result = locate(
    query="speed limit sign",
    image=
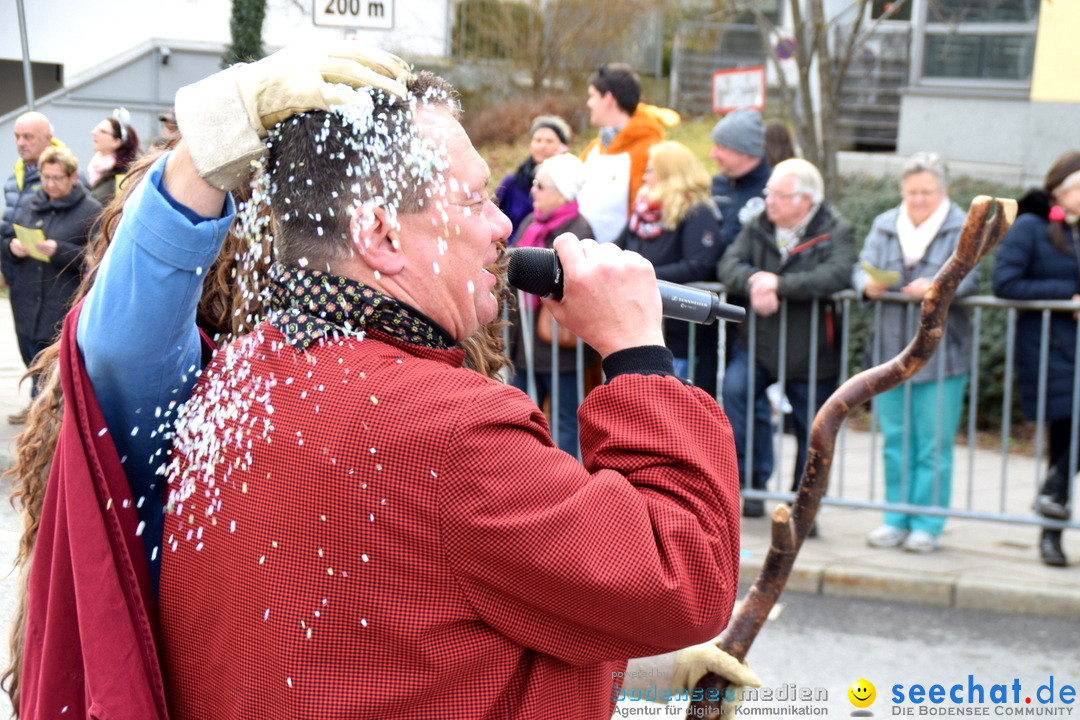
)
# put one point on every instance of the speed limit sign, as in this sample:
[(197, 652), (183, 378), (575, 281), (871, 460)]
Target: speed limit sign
[(376, 14)]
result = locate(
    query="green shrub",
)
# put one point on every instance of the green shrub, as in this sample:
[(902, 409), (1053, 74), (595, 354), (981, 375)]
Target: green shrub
[(245, 26)]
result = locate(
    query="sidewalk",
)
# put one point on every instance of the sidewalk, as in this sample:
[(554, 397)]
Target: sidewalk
[(982, 565), (13, 396)]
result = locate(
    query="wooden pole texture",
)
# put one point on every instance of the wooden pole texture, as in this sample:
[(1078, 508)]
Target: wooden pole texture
[(987, 221)]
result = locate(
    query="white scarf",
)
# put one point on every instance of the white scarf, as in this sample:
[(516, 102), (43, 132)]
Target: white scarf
[(914, 240), (788, 238)]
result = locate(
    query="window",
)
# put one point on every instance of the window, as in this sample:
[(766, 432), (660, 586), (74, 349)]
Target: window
[(990, 57), (982, 11), (987, 42)]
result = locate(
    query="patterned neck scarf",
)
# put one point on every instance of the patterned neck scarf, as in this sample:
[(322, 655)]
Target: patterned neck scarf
[(646, 217), (308, 305)]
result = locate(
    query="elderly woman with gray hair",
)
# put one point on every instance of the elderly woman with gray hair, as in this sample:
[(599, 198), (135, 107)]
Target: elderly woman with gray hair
[(904, 250)]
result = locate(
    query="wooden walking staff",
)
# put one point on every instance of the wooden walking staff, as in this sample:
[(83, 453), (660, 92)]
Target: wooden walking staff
[(980, 234)]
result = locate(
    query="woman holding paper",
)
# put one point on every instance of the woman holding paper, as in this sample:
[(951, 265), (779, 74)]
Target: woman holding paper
[(904, 250), (51, 232)]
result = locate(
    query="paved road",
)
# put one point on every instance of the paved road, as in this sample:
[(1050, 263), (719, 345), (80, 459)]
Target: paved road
[(824, 644)]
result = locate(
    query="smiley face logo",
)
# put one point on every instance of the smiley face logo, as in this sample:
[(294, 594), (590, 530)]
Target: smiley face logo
[(862, 693)]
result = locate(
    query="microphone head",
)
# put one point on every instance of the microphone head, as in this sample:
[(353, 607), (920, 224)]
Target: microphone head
[(535, 270)]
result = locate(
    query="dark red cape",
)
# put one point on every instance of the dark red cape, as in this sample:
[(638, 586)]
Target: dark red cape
[(90, 646)]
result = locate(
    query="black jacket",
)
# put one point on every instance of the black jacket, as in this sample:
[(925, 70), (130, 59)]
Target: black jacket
[(41, 292), (739, 198), (1029, 267), (686, 254), (818, 267)]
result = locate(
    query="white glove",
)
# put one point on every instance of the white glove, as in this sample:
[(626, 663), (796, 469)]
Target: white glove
[(224, 118), (694, 662)]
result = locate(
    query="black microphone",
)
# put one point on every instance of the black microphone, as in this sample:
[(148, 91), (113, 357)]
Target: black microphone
[(538, 271)]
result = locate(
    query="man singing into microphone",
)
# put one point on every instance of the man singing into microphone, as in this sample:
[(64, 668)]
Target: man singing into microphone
[(356, 525)]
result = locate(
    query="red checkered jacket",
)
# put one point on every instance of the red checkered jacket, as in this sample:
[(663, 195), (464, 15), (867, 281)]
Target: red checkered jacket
[(368, 530)]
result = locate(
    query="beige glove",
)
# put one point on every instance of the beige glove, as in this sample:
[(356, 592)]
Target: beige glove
[(224, 118), (694, 662)]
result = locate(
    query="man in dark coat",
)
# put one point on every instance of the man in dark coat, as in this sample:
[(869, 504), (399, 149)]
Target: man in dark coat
[(799, 252), (33, 134)]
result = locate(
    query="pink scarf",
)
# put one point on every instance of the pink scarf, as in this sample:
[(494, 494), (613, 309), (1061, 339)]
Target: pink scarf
[(543, 224), (536, 233), (99, 165)]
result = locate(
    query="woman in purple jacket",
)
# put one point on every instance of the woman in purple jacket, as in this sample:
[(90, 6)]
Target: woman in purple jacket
[(550, 137)]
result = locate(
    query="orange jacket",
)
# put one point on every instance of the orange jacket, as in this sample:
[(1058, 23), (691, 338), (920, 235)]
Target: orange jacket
[(644, 129)]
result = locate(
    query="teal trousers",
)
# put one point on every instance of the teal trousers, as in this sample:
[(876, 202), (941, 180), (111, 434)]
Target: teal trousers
[(924, 477)]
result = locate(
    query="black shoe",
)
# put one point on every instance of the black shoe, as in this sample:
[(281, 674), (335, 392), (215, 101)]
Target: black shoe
[(753, 508), (1049, 507), (1053, 498), (1050, 548)]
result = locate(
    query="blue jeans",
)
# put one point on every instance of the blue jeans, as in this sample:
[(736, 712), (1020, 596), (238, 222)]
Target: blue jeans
[(736, 384), (566, 425)]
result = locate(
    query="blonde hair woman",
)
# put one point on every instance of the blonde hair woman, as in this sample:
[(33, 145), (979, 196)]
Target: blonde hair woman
[(673, 223)]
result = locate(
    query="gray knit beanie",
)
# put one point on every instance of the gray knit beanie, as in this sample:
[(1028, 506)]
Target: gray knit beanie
[(742, 132)]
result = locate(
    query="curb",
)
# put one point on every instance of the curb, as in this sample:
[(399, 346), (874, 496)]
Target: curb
[(945, 590)]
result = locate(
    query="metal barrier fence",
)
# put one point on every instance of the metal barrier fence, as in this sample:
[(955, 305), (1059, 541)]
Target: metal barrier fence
[(1006, 497)]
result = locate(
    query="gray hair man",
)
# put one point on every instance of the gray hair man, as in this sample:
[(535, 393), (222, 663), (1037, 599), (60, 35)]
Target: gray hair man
[(33, 133), (797, 253)]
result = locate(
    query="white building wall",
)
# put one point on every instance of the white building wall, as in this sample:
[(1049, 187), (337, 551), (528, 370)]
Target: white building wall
[(81, 35), (108, 51)]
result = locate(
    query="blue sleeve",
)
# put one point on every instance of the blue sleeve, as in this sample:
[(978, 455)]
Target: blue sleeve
[(137, 328)]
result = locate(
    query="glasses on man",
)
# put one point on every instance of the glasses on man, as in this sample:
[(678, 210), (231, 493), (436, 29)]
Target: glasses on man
[(54, 178), (780, 195)]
